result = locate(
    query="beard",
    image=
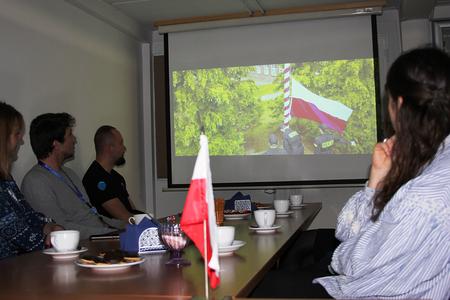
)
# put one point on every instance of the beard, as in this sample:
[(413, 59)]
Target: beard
[(120, 162), (69, 155)]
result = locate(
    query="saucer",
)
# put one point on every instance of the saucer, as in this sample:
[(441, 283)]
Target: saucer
[(285, 214), (265, 230), (297, 206), (65, 254), (110, 267), (236, 216), (229, 250)]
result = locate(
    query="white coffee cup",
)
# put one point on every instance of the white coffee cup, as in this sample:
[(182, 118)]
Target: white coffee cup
[(296, 200), (136, 219), (265, 217), (281, 206), (65, 240), (225, 235)]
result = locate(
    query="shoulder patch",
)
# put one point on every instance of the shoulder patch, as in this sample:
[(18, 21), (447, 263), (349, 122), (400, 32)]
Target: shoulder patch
[(101, 185)]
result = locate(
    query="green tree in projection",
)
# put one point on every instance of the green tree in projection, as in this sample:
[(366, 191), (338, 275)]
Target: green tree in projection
[(351, 83), (220, 100)]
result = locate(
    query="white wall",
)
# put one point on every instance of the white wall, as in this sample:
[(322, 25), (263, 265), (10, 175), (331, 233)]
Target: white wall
[(54, 57), (416, 33)]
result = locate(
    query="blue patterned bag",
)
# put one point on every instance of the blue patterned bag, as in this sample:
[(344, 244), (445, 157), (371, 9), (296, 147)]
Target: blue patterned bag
[(142, 238), (239, 202)]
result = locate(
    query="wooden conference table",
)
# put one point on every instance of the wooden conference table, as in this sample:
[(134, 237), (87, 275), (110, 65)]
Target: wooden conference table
[(38, 276)]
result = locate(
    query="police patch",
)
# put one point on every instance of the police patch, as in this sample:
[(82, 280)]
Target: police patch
[(101, 185)]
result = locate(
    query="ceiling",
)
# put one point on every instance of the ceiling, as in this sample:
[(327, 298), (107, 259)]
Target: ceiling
[(147, 12)]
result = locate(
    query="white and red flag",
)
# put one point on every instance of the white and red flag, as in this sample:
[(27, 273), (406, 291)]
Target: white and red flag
[(199, 208), (307, 105)]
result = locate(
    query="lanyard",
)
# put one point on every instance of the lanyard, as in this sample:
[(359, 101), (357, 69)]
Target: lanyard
[(71, 185)]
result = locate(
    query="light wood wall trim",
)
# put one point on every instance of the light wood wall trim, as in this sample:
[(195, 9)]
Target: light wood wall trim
[(274, 12)]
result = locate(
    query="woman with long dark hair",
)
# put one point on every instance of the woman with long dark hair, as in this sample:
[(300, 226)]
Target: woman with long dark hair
[(21, 228), (395, 233)]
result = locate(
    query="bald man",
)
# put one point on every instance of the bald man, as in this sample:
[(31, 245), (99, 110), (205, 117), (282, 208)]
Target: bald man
[(107, 188)]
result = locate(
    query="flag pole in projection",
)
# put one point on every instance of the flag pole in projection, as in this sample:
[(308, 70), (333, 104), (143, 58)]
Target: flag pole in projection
[(287, 95)]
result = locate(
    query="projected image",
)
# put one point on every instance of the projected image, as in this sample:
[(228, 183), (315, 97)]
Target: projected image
[(324, 107)]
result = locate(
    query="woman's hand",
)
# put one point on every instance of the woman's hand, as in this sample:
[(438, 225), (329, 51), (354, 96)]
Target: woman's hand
[(381, 163), (49, 227)]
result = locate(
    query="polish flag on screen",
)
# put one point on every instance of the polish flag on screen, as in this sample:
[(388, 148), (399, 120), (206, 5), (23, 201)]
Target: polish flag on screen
[(199, 206), (307, 105)]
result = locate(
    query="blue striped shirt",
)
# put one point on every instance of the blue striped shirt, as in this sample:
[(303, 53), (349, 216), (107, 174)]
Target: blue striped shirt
[(405, 254)]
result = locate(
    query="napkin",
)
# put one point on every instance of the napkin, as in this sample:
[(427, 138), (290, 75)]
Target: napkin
[(142, 238), (239, 202)]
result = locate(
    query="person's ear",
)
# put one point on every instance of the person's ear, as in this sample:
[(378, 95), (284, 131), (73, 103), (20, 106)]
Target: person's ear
[(399, 102), (56, 144), (110, 147)]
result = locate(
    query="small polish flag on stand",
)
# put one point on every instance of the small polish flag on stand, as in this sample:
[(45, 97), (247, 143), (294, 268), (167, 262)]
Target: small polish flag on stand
[(199, 219)]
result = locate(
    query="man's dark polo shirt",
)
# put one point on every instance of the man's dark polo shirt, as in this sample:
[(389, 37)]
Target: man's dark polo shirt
[(102, 186)]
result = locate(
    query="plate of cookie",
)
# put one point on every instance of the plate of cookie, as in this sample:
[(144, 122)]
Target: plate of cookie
[(109, 261)]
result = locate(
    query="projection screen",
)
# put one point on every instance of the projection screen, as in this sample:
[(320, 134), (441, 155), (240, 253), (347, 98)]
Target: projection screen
[(282, 103)]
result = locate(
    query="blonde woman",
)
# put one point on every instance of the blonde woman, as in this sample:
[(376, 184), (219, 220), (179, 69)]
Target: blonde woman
[(21, 228)]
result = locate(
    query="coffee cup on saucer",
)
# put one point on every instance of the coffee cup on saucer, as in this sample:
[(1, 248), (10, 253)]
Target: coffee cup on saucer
[(296, 200), (136, 219), (265, 217), (65, 240), (225, 235), (281, 206)]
